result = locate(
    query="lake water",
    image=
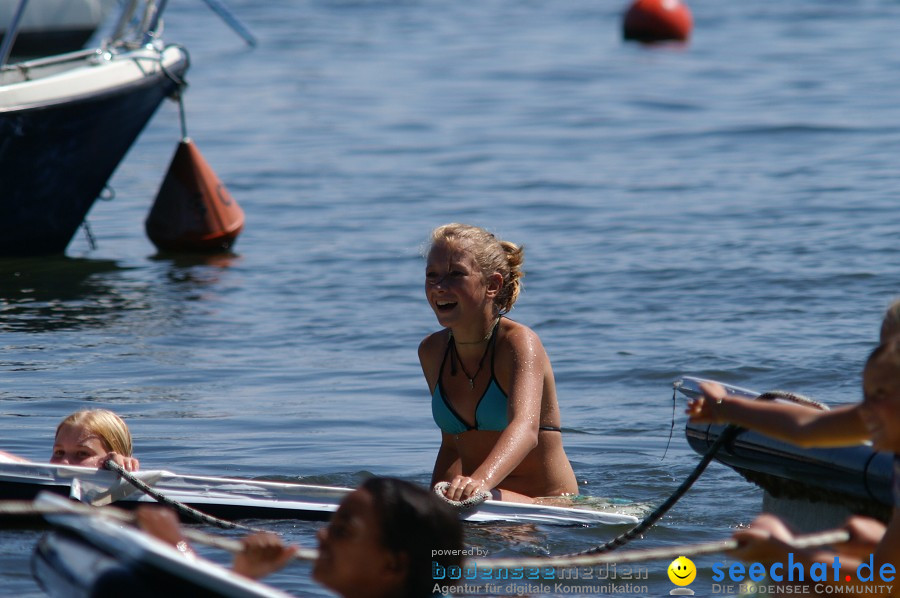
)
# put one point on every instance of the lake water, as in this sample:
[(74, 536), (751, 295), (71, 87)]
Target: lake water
[(725, 208)]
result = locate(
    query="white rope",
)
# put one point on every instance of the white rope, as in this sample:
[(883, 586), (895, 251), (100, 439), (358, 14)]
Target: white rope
[(179, 507), (650, 554), (473, 501)]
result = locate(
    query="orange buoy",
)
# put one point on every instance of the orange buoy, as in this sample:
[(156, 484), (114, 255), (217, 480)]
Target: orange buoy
[(193, 210), (657, 21)]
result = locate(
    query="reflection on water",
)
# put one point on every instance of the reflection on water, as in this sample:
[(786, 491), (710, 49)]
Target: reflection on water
[(200, 269), (62, 293)]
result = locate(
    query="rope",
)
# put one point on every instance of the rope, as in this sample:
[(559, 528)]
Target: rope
[(665, 553), (473, 501), (793, 398), (672, 427), (180, 508), (26, 508), (727, 436)]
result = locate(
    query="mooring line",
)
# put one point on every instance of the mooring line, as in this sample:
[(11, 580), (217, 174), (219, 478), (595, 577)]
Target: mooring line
[(727, 436), (179, 507)]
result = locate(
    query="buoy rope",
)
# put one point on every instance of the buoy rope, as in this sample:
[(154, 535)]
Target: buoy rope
[(473, 501), (180, 508), (651, 554), (27, 508)]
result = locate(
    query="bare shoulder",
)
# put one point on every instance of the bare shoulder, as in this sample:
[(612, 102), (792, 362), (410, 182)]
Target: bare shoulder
[(521, 340), (432, 344), (430, 352)]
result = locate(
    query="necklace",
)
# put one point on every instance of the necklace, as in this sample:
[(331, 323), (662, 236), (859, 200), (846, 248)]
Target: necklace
[(487, 335), (456, 356)]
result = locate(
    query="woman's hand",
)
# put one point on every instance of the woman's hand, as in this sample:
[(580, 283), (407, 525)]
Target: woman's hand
[(263, 553), (463, 487), (162, 523), (707, 408), (865, 536), (127, 463)]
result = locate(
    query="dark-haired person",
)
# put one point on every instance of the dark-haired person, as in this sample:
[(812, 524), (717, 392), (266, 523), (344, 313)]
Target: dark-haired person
[(378, 544)]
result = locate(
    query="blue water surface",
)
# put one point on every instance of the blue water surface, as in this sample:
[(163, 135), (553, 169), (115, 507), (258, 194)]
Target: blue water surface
[(724, 208)]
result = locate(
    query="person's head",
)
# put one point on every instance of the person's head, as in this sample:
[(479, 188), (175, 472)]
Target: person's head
[(85, 437), (880, 408), (380, 541), (890, 324), (498, 262)]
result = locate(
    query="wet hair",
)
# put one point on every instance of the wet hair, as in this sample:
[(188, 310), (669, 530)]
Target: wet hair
[(415, 522), (111, 429), (491, 254), (890, 325)]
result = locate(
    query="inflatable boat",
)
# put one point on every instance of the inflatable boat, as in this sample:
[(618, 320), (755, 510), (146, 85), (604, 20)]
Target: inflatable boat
[(856, 477), (96, 557)]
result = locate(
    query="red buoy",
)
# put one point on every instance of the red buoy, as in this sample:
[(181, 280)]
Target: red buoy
[(657, 21), (193, 210)]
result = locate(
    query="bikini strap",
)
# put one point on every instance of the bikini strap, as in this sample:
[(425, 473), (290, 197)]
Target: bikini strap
[(444, 359), (493, 344)]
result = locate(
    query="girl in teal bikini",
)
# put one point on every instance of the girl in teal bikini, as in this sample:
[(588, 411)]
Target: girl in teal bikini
[(492, 389)]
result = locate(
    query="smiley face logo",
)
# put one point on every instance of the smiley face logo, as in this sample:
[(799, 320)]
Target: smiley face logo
[(682, 571)]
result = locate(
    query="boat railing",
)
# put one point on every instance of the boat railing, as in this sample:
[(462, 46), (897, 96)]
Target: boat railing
[(11, 32), (134, 28), (27, 65)]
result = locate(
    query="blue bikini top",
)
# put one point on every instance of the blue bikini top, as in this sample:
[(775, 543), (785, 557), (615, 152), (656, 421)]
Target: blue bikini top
[(490, 412)]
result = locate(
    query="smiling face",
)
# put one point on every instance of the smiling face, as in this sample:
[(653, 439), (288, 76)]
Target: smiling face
[(352, 560), (682, 571), (77, 445), (455, 287), (880, 409)]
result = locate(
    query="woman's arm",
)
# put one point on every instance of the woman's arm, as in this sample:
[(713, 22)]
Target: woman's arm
[(768, 541), (888, 550), (447, 464), (524, 411), (797, 424)]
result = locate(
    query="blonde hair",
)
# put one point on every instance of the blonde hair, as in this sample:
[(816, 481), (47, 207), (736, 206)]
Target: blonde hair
[(491, 254), (890, 325), (111, 429)]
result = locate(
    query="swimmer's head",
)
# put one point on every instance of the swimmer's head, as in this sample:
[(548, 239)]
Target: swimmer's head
[(880, 409), (490, 254), (107, 426)]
